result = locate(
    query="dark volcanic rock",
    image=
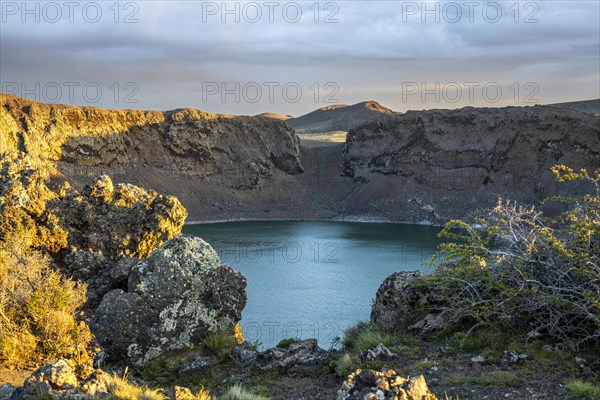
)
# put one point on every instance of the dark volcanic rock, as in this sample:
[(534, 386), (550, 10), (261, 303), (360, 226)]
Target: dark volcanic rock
[(111, 228), (95, 235), (441, 164), (380, 352), (174, 298), (398, 300), (235, 152), (62, 379), (423, 166), (301, 357)]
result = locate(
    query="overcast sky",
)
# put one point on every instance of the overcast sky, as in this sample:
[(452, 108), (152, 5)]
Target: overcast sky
[(286, 57)]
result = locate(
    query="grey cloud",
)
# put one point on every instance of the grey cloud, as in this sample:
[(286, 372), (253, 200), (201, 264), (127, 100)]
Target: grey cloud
[(369, 54)]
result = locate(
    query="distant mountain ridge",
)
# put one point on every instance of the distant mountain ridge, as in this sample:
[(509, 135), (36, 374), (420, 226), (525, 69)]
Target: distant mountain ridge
[(274, 116), (338, 117)]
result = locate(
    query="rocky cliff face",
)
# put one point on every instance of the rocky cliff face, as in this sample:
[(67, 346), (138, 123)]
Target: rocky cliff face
[(424, 166), (236, 152), (439, 164)]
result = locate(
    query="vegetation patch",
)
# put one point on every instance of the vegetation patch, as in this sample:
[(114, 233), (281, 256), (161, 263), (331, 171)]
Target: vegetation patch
[(220, 343), (582, 389), (515, 270), (285, 343), (237, 392), (363, 337), (496, 378)]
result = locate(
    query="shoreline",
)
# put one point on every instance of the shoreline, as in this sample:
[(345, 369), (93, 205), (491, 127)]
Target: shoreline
[(360, 220)]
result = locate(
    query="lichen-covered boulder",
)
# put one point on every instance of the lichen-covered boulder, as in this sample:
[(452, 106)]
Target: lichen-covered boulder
[(61, 379), (174, 298), (110, 227), (57, 375), (368, 384)]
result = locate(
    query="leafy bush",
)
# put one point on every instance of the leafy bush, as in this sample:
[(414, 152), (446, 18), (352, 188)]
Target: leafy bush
[(285, 343), (519, 269)]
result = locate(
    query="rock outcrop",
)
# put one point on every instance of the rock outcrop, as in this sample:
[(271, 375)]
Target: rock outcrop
[(110, 228), (174, 298), (403, 302), (95, 235), (384, 385), (63, 379), (440, 164), (300, 357)]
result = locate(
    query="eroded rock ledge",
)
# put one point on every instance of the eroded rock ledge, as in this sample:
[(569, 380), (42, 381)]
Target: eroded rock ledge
[(236, 152), (438, 165)]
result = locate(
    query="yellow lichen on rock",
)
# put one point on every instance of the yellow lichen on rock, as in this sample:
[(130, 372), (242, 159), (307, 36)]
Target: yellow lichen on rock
[(239, 334), (369, 384)]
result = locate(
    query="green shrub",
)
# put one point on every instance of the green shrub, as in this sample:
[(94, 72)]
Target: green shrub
[(237, 392), (582, 389), (369, 339), (347, 364), (285, 343), (352, 333), (486, 340), (221, 343)]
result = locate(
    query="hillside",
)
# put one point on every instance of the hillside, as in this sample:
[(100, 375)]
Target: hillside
[(274, 116), (339, 117), (587, 106)]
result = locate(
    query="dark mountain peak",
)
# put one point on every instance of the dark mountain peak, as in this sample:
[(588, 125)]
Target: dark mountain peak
[(373, 105), (338, 117)]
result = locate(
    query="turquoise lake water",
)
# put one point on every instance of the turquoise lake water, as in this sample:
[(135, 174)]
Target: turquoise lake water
[(314, 279)]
